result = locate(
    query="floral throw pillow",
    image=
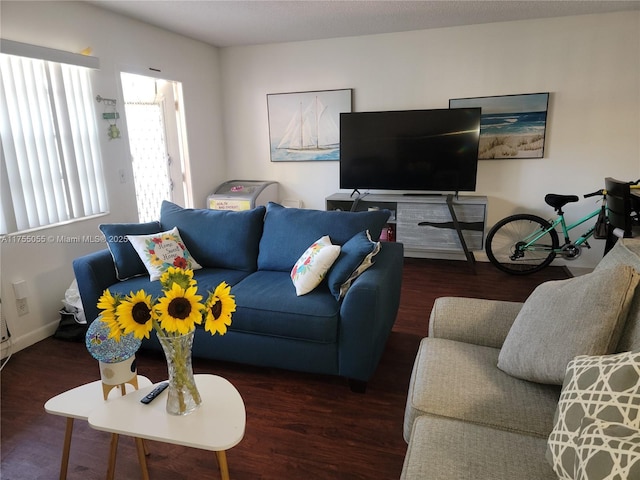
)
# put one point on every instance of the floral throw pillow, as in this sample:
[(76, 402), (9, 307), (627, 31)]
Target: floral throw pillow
[(160, 251), (313, 265)]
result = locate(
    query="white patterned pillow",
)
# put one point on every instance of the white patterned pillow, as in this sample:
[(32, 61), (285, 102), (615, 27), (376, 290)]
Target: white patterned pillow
[(313, 265), (607, 451), (160, 251), (602, 387)]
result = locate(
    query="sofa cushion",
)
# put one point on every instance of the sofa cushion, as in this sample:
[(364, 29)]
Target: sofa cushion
[(298, 228), (626, 251), (564, 318), (216, 238), (460, 380), (313, 265), (602, 387), (162, 250), (607, 450), (447, 449), (267, 304), (355, 257), (125, 258)]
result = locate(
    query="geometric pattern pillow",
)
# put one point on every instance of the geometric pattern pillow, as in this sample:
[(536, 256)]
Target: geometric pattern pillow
[(601, 387), (313, 265), (607, 451), (162, 250)]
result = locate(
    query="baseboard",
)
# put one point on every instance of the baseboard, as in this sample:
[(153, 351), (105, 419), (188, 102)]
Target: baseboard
[(434, 254), (15, 343)]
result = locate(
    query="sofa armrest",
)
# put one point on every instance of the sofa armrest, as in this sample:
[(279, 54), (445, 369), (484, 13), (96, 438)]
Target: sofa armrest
[(368, 312), (473, 320), (94, 273)]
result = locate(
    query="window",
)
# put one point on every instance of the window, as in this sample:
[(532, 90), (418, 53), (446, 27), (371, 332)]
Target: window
[(51, 169)]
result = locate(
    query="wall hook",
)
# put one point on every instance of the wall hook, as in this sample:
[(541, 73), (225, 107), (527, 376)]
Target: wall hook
[(107, 101)]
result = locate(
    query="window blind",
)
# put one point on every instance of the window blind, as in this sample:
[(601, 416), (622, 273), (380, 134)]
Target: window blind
[(50, 155)]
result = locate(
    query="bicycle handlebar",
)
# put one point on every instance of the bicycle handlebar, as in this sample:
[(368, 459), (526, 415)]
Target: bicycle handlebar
[(593, 194), (602, 191)]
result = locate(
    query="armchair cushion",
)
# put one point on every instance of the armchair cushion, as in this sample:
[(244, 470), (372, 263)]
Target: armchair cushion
[(565, 318)]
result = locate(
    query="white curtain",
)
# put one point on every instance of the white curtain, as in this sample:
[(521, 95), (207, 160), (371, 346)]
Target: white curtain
[(51, 169)]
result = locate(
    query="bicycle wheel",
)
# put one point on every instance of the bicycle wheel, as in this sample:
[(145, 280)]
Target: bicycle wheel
[(507, 238)]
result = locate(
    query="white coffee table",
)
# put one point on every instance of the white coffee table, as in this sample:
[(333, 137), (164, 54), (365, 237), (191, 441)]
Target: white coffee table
[(78, 403), (216, 425)]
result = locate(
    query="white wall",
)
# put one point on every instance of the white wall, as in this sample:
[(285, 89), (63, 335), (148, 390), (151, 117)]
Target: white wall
[(121, 44), (589, 64)]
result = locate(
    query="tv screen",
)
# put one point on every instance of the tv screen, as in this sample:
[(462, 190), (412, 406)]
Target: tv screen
[(428, 150)]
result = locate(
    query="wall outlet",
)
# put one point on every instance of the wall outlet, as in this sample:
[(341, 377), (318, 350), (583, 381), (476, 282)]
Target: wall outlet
[(4, 329), (22, 306)]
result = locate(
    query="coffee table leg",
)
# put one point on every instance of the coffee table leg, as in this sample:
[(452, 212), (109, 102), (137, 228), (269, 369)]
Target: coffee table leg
[(64, 463), (222, 463), (140, 447), (113, 450)]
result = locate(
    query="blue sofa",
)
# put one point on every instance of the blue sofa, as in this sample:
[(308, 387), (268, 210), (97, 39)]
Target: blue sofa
[(254, 252)]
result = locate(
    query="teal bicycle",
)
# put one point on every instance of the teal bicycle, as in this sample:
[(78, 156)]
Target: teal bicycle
[(524, 243)]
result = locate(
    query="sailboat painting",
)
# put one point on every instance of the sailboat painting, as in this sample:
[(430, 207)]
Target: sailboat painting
[(305, 126)]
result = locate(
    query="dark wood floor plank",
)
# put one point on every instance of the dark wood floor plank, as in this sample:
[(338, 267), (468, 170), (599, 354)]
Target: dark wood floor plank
[(299, 426)]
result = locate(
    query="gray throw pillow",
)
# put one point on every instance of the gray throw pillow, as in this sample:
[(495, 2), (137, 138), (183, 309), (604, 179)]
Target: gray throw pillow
[(565, 318)]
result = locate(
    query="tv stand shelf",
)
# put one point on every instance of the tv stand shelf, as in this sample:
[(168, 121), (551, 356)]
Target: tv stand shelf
[(424, 223)]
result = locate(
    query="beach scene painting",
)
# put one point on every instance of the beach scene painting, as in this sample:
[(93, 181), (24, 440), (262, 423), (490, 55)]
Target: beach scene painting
[(512, 126), (305, 126)]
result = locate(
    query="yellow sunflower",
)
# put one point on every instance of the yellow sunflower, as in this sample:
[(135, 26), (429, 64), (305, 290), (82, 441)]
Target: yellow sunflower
[(182, 277), (180, 309), (108, 304), (219, 307), (135, 314)]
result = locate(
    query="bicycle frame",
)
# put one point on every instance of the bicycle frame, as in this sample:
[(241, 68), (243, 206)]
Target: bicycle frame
[(534, 237)]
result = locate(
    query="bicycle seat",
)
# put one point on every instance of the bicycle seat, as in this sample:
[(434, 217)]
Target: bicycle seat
[(559, 201)]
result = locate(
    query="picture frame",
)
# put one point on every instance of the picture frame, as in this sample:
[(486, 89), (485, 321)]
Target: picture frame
[(305, 126), (512, 126)]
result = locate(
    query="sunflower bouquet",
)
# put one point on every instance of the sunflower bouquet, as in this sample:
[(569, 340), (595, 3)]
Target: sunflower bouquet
[(174, 317), (177, 312)]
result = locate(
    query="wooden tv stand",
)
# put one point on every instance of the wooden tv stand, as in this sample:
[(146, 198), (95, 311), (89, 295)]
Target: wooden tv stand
[(427, 225)]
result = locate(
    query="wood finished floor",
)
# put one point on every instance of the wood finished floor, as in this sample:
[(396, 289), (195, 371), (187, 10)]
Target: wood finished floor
[(299, 426)]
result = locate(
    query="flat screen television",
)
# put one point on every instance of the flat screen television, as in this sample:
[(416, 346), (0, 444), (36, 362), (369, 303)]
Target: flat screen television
[(426, 150)]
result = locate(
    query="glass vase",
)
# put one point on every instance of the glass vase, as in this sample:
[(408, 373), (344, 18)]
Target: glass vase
[(183, 396)]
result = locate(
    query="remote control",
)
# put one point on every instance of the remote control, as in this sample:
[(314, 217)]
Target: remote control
[(154, 393)]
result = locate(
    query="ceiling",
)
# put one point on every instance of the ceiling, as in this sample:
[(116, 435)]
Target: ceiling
[(240, 22)]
